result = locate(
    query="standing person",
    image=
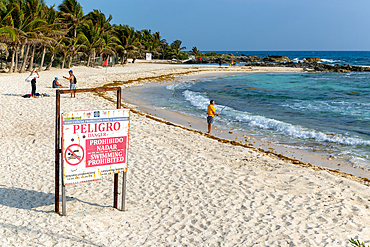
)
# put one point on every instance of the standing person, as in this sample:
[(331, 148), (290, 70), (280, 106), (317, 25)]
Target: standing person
[(211, 112), (33, 76), (72, 82), (220, 62)]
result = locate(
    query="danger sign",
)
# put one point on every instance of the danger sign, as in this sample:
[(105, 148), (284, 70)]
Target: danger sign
[(94, 143)]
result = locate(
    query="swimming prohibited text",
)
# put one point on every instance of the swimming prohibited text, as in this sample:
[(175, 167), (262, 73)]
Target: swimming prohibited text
[(105, 151)]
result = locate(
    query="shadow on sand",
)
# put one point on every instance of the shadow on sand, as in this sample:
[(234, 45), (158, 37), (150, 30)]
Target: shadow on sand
[(31, 200)]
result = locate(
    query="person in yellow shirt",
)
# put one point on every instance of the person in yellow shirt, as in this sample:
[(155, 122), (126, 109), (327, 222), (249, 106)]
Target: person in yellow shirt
[(211, 112)]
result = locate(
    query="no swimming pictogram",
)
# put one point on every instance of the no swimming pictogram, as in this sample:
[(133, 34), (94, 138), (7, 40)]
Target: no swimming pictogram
[(74, 154)]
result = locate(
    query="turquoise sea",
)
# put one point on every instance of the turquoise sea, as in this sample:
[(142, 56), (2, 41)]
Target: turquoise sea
[(328, 113)]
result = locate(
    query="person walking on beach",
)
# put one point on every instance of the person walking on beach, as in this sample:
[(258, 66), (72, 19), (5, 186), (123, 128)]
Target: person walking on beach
[(33, 76), (211, 112), (72, 82)]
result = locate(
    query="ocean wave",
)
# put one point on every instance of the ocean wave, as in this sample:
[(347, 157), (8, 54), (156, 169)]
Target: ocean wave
[(171, 87), (199, 100), (179, 86), (323, 60), (330, 60), (296, 60), (354, 109), (359, 162), (298, 131)]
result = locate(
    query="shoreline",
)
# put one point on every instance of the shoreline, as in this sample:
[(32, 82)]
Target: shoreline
[(295, 155)]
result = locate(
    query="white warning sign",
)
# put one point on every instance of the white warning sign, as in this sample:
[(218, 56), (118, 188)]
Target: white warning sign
[(94, 143)]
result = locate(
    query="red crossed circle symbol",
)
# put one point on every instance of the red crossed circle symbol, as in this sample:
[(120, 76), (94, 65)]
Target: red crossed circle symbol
[(74, 155)]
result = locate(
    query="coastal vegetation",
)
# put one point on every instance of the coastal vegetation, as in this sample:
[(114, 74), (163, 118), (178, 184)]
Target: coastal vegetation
[(35, 35), (357, 243)]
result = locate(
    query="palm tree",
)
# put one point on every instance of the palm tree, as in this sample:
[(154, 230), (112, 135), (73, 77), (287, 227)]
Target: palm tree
[(13, 20), (71, 13), (163, 48), (74, 48), (64, 48), (147, 41), (25, 21), (176, 48), (54, 31), (53, 48), (91, 37), (127, 41), (72, 17), (7, 33), (109, 45), (106, 32), (194, 51)]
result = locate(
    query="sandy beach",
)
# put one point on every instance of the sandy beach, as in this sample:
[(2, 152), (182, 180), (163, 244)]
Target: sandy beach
[(183, 189)]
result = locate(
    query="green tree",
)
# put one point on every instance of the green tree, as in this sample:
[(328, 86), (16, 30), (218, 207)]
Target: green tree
[(72, 15), (127, 41), (91, 37), (163, 49), (106, 44), (176, 49), (29, 29), (194, 51), (54, 31)]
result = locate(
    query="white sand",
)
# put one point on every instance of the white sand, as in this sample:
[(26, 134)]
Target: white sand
[(183, 189)]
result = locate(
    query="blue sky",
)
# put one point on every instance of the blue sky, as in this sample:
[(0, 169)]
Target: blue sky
[(247, 25)]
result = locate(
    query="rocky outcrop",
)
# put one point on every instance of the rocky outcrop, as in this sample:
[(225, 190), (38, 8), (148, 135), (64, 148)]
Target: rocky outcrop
[(241, 59), (278, 59), (309, 64), (316, 67), (313, 59), (320, 67)]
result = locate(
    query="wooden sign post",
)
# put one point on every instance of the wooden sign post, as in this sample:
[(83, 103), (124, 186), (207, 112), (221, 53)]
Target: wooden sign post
[(76, 153)]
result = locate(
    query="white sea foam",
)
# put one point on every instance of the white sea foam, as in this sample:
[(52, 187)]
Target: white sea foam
[(183, 85), (359, 162), (171, 87), (297, 131), (330, 60), (296, 60), (199, 100)]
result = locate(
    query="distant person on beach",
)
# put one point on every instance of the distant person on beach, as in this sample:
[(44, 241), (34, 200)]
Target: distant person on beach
[(56, 83), (72, 82), (211, 112), (33, 76), (220, 62)]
